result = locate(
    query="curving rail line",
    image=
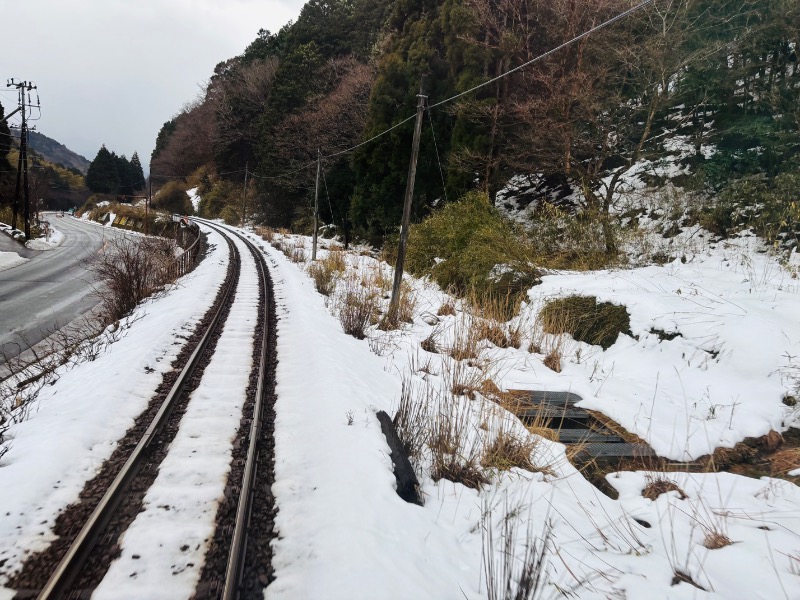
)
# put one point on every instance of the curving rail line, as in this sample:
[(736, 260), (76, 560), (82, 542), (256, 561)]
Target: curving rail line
[(67, 571)]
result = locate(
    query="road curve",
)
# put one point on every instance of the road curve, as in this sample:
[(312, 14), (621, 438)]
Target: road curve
[(53, 288)]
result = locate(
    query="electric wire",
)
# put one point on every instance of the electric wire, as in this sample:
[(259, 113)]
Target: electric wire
[(436, 147), (550, 52)]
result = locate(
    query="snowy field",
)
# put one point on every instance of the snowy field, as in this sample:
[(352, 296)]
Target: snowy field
[(343, 531)]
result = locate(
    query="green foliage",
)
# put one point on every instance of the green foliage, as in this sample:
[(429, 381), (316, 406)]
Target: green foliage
[(167, 129), (381, 168), (112, 174), (770, 207), (173, 198), (217, 196), (470, 247), (586, 320), (231, 215), (564, 240), (103, 176)]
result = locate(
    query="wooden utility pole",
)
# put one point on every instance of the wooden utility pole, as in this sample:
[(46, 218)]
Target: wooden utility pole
[(22, 163), (147, 202), (316, 207), (244, 195), (412, 173)]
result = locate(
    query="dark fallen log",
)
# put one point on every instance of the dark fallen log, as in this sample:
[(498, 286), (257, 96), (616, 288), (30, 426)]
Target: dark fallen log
[(407, 484)]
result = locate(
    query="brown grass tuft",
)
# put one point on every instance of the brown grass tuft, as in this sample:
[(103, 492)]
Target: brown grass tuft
[(715, 540), (508, 450), (657, 486), (465, 473), (785, 460), (493, 332), (447, 308), (324, 277), (553, 361), (357, 307)]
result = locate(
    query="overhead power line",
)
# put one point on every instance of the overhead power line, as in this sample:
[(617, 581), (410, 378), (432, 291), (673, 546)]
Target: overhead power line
[(577, 38)]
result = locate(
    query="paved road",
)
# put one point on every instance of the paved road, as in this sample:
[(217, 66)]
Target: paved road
[(52, 288)]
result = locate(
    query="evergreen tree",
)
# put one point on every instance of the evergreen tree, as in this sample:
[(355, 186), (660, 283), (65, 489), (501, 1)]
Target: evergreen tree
[(167, 129), (137, 173), (102, 177)]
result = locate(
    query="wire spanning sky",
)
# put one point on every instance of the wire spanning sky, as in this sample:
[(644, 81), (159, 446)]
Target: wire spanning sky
[(113, 71)]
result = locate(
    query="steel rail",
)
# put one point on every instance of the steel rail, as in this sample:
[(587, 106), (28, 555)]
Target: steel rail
[(72, 562), (235, 566)]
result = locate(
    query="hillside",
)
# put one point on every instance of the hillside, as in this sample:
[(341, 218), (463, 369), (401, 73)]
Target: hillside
[(710, 85), (55, 152)]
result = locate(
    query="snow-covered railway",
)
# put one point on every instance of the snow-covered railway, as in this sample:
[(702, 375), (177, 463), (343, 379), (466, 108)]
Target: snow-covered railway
[(182, 479)]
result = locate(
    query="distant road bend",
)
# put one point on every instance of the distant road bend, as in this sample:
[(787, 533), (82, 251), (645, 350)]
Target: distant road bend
[(50, 290)]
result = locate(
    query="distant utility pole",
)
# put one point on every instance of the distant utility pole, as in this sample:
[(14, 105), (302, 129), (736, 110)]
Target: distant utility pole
[(244, 195), (23, 87), (412, 173), (316, 207), (147, 202)]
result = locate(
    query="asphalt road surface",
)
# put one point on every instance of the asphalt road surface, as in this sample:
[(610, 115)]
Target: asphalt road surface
[(53, 288)]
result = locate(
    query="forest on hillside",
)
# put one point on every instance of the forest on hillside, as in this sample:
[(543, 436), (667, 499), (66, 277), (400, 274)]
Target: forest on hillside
[(721, 76)]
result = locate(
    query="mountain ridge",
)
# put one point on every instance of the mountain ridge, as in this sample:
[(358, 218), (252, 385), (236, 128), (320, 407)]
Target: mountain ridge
[(54, 151)]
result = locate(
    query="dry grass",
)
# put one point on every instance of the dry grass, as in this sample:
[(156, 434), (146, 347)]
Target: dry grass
[(336, 260), (267, 234), (723, 458), (714, 540), (411, 419), (454, 450), (493, 332), (376, 276), (447, 308), (585, 319), (785, 460), (553, 360), (656, 486), (404, 313), (357, 307), (515, 568), (431, 343), (615, 428), (324, 277), (466, 340), (508, 450)]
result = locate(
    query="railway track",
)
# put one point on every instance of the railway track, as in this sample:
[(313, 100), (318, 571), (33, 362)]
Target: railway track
[(90, 531)]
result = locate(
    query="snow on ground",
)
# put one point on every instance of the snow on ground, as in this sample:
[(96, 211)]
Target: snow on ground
[(163, 550), (342, 530), (76, 422), (194, 198), (344, 534), (9, 260), (734, 310), (53, 239)]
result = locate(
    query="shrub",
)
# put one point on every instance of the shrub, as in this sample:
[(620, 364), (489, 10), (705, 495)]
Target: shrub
[(230, 215), (323, 276), (173, 198), (131, 269), (770, 207), (217, 197), (468, 245), (563, 240), (586, 320)]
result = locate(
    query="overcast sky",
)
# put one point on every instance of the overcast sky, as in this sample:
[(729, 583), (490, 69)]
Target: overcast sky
[(113, 71)]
